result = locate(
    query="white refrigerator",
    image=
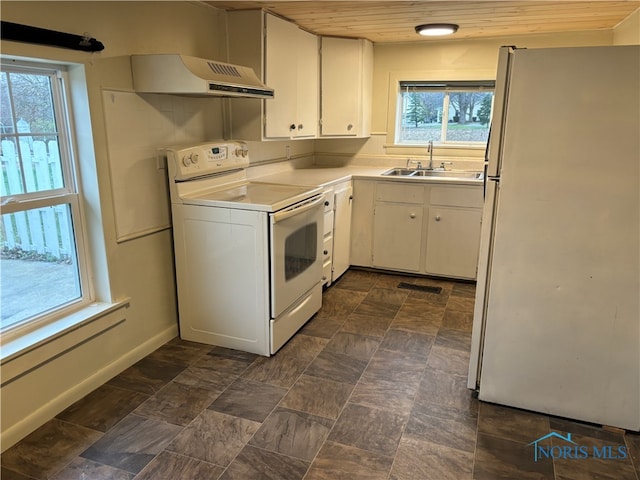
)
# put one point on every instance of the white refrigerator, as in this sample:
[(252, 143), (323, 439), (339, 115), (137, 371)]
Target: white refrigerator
[(556, 325)]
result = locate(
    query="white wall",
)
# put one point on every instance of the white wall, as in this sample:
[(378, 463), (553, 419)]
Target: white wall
[(140, 269), (627, 32)]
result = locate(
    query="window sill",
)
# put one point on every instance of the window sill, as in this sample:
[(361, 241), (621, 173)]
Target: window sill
[(26, 352), (468, 152)]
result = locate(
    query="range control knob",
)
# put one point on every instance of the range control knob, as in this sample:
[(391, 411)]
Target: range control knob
[(186, 160), (194, 158)]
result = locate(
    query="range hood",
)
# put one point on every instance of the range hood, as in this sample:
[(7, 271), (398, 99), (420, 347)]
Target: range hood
[(183, 75)]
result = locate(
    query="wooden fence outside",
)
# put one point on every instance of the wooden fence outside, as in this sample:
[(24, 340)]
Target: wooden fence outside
[(44, 231)]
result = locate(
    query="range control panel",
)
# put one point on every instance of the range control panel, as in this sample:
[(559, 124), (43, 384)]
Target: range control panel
[(207, 158)]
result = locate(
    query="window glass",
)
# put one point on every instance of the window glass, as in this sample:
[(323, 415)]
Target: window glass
[(44, 274), (300, 250), (422, 118), (40, 242), (444, 113)]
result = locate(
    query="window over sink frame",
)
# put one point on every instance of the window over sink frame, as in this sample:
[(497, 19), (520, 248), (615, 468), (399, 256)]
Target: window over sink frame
[(403, 83)]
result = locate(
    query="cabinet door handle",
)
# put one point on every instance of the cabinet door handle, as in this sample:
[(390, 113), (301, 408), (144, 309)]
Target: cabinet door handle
[(412, 215), (349, 127), (326, 252), (326, 203), (300, 127), (292, 126), (437, 218)]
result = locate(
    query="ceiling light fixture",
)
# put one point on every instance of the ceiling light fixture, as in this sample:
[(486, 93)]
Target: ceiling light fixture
[(436, 29)]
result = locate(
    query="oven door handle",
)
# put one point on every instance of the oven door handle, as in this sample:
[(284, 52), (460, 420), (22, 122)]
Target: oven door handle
[(297, 209)]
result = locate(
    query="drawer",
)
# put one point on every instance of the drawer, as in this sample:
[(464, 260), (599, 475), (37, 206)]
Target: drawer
[(329, 199), (327, 249), (328, 222), (326, 273), (399, 192), (455, 196)]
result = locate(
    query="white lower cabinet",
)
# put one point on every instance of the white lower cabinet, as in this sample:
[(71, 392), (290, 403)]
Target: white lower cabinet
[(397, 236), (397, 226), (419, 228), (337, 231), (452, 241), (362, 222), (327, 250), (343, 199)]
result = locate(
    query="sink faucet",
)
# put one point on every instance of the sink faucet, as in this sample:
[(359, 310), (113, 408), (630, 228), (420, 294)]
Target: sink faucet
[(417, 162), (430, 152)]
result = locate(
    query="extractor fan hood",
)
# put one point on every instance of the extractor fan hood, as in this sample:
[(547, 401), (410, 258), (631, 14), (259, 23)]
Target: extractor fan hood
[(183, 75)]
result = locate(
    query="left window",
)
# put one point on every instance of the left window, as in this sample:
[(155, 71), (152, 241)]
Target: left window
[(43, 271)]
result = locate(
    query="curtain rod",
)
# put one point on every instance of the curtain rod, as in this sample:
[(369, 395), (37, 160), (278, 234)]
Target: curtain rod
[(27, 34)]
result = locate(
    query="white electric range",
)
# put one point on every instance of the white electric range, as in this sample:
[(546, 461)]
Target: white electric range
[(248, 254)]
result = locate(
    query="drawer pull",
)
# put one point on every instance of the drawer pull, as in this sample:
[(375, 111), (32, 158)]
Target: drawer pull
[(437, 218), (412, 215)]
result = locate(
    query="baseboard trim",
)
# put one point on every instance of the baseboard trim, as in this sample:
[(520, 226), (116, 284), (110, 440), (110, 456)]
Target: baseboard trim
[(18, 431)]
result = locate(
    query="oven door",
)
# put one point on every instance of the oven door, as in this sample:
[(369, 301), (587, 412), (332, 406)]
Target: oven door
[(296, 252)]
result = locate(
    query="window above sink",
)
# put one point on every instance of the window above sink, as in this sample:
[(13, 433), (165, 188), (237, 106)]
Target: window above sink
[(443, 112)]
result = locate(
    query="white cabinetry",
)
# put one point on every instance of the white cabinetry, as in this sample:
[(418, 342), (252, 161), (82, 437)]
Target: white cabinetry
[(346, 79), (420, 228), (453, 237), (342, 229), (397, 226), (362, 222), (286, 59), (337, 231), (327, 251)]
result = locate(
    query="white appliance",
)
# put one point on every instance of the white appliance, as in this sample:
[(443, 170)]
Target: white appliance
[(556, 326), (192, 76), (248, 254)]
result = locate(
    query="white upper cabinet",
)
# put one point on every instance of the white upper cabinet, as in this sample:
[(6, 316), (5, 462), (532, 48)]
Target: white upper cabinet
[(346, 78), (286, 59), (291, 68)]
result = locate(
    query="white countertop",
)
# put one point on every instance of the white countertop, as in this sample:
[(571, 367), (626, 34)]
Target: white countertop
[(325, 176)]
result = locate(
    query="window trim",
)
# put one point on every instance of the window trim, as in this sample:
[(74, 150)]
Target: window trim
[(434, 76), (70, 194)]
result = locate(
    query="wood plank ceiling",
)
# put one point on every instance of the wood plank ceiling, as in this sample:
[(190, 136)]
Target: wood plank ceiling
[(394, 21)]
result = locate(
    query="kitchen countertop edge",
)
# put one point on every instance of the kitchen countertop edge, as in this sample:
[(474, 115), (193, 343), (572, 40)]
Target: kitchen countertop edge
[(327, 176)]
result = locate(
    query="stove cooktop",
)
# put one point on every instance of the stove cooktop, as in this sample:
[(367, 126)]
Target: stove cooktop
[(267, 197)]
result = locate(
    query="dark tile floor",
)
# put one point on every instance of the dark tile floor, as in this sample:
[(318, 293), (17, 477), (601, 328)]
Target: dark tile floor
[(373, 387)]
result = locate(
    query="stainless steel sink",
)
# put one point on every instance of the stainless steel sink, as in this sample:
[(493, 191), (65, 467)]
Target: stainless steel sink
[(412, 172), (400, 172), (446, 173)]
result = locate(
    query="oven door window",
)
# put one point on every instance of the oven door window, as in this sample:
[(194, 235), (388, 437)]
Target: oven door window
[(296, 260), (300, 251)]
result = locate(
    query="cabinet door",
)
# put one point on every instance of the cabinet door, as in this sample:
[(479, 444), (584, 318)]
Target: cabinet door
[(341, 96), (453, 240), (308, 89), (342, 230), (397, 236), (362, 222), (281, 74)]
